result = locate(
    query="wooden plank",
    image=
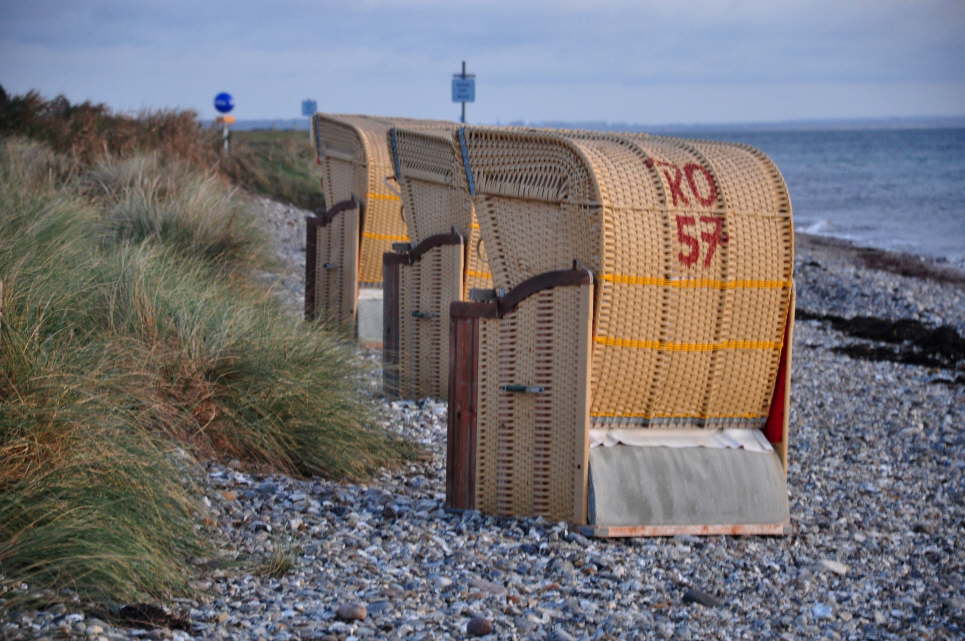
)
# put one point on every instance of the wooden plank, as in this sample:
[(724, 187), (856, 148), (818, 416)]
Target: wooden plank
[(390, 323), (439, 240), (736, 529), (472, 309), (583, 377), (311, 260), (461, 428), (540, 282)]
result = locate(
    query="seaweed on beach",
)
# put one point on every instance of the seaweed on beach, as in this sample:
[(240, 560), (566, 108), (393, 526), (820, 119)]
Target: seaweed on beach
[(907, 340), (910, 266)]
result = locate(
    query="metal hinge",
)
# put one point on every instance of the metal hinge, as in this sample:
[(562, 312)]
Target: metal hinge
[(481, 295), (527, 389)]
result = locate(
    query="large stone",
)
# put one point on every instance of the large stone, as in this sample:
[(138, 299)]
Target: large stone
[(696, 596), (834, 566), (351, 612), (479, 627)]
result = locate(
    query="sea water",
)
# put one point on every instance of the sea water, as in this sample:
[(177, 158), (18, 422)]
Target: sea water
[(898, 189)]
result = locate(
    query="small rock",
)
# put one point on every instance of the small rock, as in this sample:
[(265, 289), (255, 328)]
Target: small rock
[(696, 596), (579, 539), (479, 627), (665, 629), (561, 635), (487, 586), (820, 611), (922, 527), (443, 582), (379, 607), (834, 566), (351, 612)]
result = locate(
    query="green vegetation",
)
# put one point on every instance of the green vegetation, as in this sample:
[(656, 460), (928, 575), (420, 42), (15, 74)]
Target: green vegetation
[(279, 164), (133, 340), (86, 132)]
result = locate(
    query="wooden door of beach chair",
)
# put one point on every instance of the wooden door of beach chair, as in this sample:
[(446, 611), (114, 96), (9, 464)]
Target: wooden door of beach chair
[(690, 247), (441, 264)]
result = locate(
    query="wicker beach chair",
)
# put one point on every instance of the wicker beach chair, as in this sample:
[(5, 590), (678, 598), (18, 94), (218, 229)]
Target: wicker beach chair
[(444, 260), (632, 374), (344, 245)]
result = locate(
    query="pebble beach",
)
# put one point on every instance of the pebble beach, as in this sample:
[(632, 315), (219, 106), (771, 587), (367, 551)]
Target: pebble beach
[(877, 457)]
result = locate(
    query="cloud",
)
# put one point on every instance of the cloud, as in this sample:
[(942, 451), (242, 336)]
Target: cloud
[(532, 58)]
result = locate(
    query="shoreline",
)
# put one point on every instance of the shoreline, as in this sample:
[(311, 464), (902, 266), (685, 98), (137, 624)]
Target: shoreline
[(897, 262)]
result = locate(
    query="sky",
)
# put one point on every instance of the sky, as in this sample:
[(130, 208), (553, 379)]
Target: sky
[(693, 62)]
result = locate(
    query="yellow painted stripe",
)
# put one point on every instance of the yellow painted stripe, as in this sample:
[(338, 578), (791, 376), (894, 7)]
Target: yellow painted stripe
[(686, 347), (660, 416), (376, 196), (474, 274), (473, 225), (374, 236), (697, 283)]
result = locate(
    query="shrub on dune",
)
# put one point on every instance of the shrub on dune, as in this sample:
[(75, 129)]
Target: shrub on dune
[(129, 330), (148, 198)]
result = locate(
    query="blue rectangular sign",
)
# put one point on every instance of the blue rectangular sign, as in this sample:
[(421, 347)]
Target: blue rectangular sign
[(309, 107), (464, 88)]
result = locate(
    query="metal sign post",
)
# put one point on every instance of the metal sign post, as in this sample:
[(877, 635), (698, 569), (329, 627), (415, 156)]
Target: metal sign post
[(463, 89), (224, 103)]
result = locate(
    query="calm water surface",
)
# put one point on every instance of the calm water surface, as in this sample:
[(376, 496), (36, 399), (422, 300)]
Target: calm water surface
[(898, 189)]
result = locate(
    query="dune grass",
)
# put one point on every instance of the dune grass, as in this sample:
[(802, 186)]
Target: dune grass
[(166, 201), (130, 331), (278, 164), (85, 132), (88, 498)]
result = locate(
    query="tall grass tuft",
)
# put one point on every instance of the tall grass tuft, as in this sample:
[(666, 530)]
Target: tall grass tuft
[(166, 201), (88, 499), (87, 131), (237, 376), (279, 164), (128, 332)]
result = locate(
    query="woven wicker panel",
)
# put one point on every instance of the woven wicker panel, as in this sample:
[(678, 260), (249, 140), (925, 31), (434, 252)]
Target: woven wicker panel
[(336, 270), (487, 414), (435, 195), (356, 161), (531, 448), (410, 363), (442, 270), (691, 243), (427, 289)]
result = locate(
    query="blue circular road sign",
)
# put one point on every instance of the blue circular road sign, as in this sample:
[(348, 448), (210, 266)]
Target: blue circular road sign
[(223, 102)]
